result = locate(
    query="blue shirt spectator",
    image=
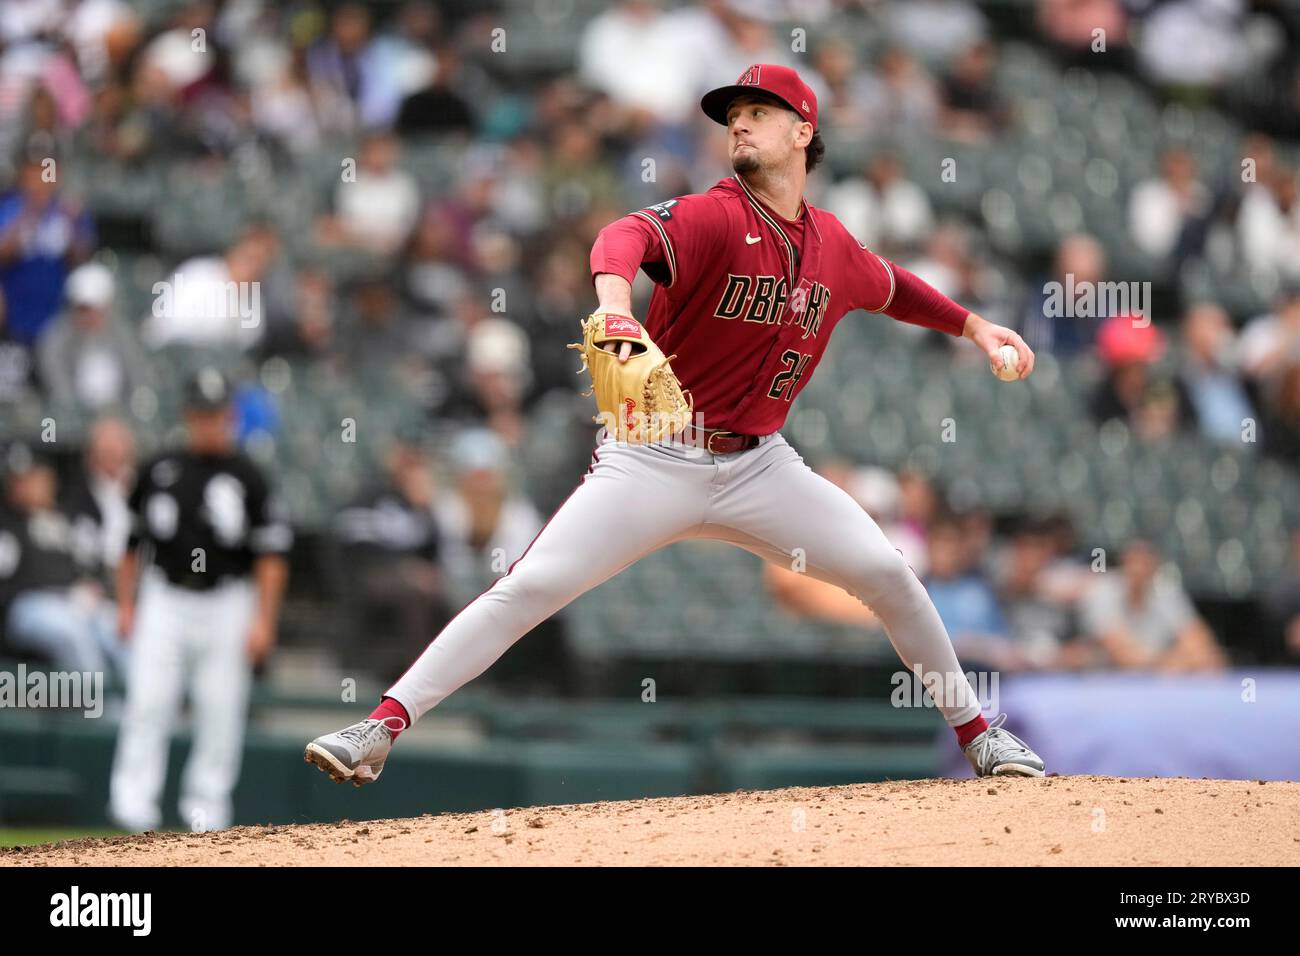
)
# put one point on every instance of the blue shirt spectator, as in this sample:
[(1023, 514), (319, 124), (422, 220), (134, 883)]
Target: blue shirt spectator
[(41, 235)]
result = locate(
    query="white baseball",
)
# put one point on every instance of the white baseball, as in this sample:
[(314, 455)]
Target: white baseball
[(1010, 370)]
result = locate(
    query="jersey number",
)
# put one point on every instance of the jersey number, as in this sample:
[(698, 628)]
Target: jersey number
[(785, 383)]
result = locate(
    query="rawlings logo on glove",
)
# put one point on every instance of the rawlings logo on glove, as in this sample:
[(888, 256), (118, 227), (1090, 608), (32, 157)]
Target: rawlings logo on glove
[(639, 400)]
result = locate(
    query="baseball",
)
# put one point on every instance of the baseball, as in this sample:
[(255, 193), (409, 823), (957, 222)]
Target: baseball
[(1009, 370)]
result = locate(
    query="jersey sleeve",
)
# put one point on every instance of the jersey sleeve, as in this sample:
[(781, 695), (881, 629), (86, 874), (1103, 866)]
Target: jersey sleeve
[(135, 508), (268, 519), (671, 241), (879, 285)]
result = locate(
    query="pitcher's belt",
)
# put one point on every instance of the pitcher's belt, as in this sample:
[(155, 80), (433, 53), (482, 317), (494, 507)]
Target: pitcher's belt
[(716, 441)]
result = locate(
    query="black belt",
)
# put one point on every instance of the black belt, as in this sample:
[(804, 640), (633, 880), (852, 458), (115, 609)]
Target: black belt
[(198, 582), (716, 441)]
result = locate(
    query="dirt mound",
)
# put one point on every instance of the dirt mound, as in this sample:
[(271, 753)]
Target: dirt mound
[(1075, 821)]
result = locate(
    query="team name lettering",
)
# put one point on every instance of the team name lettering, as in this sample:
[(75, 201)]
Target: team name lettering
[(763, 300), (810, 319), (758, 299)]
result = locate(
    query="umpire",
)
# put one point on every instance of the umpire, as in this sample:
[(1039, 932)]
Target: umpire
[(203, 523)]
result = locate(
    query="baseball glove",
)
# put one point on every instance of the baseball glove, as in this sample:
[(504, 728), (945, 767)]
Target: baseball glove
[(639, 400)]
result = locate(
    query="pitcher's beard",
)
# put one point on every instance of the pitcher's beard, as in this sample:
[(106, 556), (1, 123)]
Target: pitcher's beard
[(746, 162)]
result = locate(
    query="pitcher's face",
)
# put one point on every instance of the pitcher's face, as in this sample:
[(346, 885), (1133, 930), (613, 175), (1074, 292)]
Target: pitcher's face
[(763, 134)]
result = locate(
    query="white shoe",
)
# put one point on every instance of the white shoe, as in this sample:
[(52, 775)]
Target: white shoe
[(998, 752), (355, 753)]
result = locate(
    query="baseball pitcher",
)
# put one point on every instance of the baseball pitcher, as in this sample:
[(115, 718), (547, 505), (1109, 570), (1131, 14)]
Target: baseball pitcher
[(203, 524), (750, 281)]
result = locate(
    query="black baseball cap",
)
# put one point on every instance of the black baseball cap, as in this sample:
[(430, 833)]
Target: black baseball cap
[(21, 457), (207, 390)]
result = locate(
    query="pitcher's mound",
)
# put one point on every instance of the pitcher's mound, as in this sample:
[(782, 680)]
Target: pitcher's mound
[(1078, 821)]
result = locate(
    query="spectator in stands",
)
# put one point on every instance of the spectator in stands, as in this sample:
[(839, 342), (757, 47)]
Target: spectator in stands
[(1135, 390), (375, 335), (405, 60), (215, 300), (841, 86), (900, 96), (103, 34), (485, 525), (519, 197), (973, 110), (15, 362), (348, 86), (1067, 577), (1041, 621), (432, 279), (966, 602), (938, 31), (1270, 101), (311, 332), (1282, 608), (576, 177), (438, 107), (90, 358), (377, 211), (654, 63), (1282, 417), (1193, 44), (98, 492), (497, 378), (1268, 223), (1271, 342), (562, 290), (948, 264), (283, 107), (170, 55), (1140, 618), (1167, 215), (1075, 28), (54, 607), (390, 547), (42, 236), (1209, 376), (881, 208), (1080, 259)]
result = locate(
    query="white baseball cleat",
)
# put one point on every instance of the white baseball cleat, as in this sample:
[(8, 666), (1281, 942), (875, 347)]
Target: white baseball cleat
[(1000, 753), (355, 753)]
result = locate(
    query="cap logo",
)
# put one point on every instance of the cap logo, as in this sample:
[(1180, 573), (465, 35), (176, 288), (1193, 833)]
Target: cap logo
[(805, 106), (749, 77)]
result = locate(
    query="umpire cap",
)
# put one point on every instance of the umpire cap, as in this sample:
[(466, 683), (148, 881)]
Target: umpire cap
[(207, 390)]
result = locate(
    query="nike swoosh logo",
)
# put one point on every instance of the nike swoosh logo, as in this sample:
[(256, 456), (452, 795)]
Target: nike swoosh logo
[(750, 240)]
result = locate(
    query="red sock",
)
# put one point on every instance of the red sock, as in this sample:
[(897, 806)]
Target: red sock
[(390, 708), (969, 730)]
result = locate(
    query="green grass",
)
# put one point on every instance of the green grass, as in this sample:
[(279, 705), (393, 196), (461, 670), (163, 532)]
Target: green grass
[(27, 836)]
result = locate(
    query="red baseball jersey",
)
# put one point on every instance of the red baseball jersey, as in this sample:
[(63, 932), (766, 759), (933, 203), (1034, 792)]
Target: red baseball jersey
[(747, 299)]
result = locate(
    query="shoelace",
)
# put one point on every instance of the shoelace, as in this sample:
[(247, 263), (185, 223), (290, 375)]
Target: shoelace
[(361, 733), (997, 741)]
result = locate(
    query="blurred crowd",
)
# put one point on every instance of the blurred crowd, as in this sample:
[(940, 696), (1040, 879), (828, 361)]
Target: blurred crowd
[(1029, 598), (464, 284)]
